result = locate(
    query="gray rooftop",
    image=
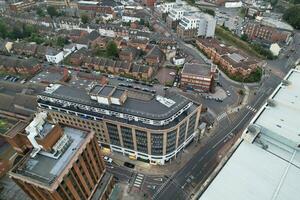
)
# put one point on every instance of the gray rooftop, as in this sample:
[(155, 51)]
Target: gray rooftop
[(106, 90), (196, 69), (43, 169), (118, 93), (135, 105)]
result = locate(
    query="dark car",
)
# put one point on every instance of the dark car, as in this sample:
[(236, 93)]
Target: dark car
[(129, 165)]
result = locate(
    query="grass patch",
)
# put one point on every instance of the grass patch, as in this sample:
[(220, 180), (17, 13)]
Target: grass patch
[(4, 125), (228, 37)]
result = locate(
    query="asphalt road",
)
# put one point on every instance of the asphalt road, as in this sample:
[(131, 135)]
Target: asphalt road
[(181, 185)]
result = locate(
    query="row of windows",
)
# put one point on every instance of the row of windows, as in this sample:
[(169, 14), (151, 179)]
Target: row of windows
[(98, 128)]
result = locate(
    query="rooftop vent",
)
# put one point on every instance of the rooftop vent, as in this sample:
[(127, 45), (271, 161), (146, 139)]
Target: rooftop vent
[(271, 102), (286, 82)]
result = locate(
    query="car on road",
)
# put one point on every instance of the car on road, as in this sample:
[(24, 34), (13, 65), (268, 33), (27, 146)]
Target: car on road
[(107, 159), (129, 165), (7, 77)]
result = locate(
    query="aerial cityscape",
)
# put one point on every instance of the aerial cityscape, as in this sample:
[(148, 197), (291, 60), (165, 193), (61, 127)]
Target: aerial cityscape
[(149, 99)]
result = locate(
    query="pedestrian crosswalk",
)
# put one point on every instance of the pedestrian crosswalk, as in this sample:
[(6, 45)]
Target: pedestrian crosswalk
[(138, 180), (220, 117), (251, 108)]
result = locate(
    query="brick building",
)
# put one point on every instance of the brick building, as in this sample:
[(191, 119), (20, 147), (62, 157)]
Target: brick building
[(58, 161), (198, 76), (266, 33), (229, 59)]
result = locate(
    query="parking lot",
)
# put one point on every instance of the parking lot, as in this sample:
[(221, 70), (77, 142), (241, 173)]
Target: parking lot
[(165, 75)]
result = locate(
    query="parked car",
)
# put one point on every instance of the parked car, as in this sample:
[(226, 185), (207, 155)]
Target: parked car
[(107, 159), (129, 165)]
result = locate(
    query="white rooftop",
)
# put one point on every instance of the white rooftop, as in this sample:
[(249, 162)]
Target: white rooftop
[(255, 174), (268, 168)]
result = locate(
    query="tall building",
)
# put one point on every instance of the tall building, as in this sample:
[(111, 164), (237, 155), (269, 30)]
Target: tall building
[(136, 123), (59, 162), (196, 24)]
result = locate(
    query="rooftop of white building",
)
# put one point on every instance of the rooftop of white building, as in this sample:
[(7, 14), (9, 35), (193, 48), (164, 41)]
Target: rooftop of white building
[(266, 166)]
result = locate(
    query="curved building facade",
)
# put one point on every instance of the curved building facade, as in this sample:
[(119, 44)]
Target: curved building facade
[(137, 124)]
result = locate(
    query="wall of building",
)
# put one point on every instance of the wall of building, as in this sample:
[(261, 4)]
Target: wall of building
[(129, 139)]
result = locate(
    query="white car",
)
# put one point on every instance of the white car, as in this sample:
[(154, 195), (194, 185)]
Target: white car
[(107, 159)]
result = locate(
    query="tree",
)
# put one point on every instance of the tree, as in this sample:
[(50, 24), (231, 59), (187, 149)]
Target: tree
[(111, 49), (273, 2), (16, 33), (292, 16), (61, 41), (40, 12), (3, 29), (142, 22), (244, 37), (52, 11), (85, 19)]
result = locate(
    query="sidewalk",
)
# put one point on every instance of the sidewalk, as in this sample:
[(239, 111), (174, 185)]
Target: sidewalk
[(174, 165)]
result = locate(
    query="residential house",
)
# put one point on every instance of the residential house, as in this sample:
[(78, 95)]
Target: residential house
[(168, 46), (129, 54), (138, 43), (24, 48), (87, 40), (155, 56), (100, 42), (41, 52), (134, 16), (54, 55), (78, 57), (19, 66), (76, 34), (141, 71), (123, 67)]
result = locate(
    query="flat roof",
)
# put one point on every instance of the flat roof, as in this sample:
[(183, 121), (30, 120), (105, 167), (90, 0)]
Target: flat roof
[(44, 169), (118, 93), (106, 90), (253, 173), (282, 119), (135, 104), (196, 69), (266, 167)]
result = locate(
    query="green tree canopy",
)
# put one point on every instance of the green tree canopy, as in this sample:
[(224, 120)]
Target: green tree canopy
[(111, 49), (61, 41), (292, 16), (52, 11), (85, 19), (40, 12)]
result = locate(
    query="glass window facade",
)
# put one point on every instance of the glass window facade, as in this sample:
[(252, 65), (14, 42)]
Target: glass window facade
[(141, 141), (182, 130), (171, 141), (192, 123), (113, 134), (157, 144), (127, 137)]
